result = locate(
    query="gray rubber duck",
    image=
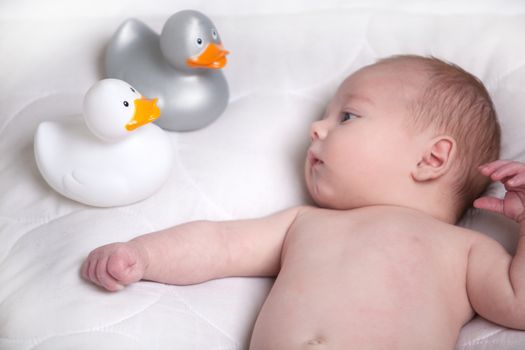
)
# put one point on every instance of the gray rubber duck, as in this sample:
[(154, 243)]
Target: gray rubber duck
[(182, 67)]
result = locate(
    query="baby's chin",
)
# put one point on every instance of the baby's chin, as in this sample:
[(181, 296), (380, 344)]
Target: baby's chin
[(326, 202), (328, 198)]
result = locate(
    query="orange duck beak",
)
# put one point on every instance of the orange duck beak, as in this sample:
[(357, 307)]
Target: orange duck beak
[(213, 56), (146, 111)]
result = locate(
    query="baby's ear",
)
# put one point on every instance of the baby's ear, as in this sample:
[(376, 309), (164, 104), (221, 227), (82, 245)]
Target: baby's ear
[(436, 160)]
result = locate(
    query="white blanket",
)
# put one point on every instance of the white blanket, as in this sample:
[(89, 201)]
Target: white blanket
[(287, 58)]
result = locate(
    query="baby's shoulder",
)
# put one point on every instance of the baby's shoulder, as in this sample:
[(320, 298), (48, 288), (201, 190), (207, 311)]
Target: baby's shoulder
[(473, 238)]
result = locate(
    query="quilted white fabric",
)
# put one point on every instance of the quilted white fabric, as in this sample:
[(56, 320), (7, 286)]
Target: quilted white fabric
[(287, 58)]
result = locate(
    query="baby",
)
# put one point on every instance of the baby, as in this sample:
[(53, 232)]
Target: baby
[(378, 264)]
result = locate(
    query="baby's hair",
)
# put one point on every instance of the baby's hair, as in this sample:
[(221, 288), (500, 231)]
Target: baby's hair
[(457, 103)]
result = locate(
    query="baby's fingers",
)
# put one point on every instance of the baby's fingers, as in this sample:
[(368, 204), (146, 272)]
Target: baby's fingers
[(501, 169), (488, 168), (91, 271), (94, 269), (489, 203), (104, 279), (517, 180), (124, 270)]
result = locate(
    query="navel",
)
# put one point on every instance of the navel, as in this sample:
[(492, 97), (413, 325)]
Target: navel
[(316, 341)]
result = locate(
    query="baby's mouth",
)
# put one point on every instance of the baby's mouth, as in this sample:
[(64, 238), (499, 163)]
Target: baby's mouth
[(313, 160)]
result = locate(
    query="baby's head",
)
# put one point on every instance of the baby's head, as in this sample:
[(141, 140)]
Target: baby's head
[(408, 131)]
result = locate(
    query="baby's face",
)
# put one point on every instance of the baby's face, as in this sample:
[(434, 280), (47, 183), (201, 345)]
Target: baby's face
[(362, 149)]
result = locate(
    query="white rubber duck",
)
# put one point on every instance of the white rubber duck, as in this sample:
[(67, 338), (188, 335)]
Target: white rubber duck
[(182, 67), (117, 157)]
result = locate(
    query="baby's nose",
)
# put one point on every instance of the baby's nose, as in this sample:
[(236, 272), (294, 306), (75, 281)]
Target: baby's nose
[(317, 130)]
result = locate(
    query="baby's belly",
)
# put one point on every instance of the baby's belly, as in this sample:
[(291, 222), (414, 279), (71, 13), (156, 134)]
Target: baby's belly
[(336, 306)]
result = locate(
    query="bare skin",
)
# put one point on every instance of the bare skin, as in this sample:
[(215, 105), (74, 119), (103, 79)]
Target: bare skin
[(343, 276), (349, 280), (375, 268)]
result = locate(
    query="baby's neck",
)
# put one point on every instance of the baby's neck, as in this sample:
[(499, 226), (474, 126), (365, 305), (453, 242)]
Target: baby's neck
[(441, 214), (440, 210), (435, 200)]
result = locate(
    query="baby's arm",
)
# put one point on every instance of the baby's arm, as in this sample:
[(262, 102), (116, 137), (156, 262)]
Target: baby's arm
[(495, 280), (193, 252)]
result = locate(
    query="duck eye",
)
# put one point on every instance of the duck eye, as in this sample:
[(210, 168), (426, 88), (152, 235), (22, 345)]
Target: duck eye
[(132, 89), (126, 103), (214, 34), (199, 41)]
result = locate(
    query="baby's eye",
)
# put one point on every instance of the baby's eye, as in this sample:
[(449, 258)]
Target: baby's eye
[(348, 116)]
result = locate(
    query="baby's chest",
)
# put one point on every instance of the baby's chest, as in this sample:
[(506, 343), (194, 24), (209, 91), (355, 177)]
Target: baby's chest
[(362, 286), (375, 256)]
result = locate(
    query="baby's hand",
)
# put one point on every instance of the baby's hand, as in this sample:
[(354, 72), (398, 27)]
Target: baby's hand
[(115, 265), (512, 175)]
